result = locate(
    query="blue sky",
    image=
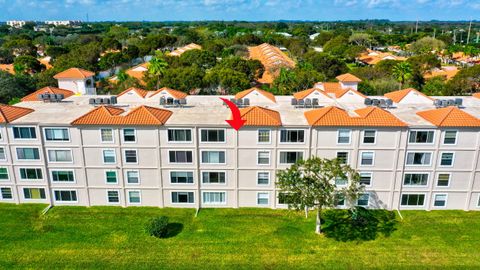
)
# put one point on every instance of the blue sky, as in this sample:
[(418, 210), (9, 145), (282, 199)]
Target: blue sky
[(252, 10)]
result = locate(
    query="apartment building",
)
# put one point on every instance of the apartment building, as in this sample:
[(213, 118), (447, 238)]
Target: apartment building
[(166, 149)]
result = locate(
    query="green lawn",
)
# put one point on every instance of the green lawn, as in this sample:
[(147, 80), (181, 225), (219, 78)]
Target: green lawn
[(110, 237)]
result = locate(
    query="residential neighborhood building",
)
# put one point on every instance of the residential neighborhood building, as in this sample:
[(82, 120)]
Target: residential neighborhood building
[(371, 57), (165, 148), (272, 58), (181, 50)]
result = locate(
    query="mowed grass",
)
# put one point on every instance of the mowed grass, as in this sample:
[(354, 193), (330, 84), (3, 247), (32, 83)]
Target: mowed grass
[(110, 237)]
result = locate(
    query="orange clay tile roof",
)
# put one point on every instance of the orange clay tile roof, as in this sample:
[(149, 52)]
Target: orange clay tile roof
[(272, 58), (477, 95), (142, 93), (174, 93), (373, 57), (369, 116), (50, 90), (259, 116), (74, 73), (10, 113), (138, 74), (397, 96), (336, 89), (347, 77), (449, 117), (8, 68), (262, 92), (305, 93), (141, 116), (446, 72), (181, 50), (46, 62)]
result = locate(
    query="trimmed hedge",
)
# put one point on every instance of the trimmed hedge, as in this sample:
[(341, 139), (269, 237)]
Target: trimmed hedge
[(158, 227)]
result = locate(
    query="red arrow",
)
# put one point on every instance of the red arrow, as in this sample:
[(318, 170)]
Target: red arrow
[(237, 122)]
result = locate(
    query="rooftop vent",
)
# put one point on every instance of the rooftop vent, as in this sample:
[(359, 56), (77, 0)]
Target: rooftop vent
[(382, 103), (441, 103), (103, 101), (47, 97)]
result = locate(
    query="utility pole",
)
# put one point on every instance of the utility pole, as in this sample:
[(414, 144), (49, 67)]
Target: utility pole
[(478, 36), (454, 37), (416, 27), (469, 28), (434, 32)]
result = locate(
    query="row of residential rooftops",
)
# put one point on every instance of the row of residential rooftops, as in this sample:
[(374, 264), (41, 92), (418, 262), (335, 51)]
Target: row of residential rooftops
[(333, 104)]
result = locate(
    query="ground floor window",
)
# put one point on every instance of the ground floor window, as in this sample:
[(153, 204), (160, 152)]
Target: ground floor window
[(182, 197), (340, 200), (262, 198), (284, 198), (112, 196), (6, 193), (440, 200), (134, 196), (363, 199), (214, 197), (413, 199), (65, 195), (34, 193)]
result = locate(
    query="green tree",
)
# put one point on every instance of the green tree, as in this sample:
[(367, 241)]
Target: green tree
[(111, 60), (426, 45), (311, 184), (402, 72), (466, 82), (27, 64), (326, 64), (361, 39), (229, 80), (435, 87), (157, 67), (14, 86), (201, 58), (184, 78)]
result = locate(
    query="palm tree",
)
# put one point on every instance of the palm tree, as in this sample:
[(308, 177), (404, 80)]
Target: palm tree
[(402, 72), (157, 67)]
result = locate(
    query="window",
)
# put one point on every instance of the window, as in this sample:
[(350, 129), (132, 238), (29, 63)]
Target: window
[(109, 156), (290, 157), (419, 136), (3, 174), (65, 195), (341, 181), (111, 177), (182, 197), (31, 174), (113, 196), (292, 136), (131, 156), (106, 134), (181, 177), (342, 157), (213, 177), (214, 198), (343, 136), (284, 198), (446, 159), (179, 135), (450, 137), (180, 156), (133, 177), (6, 193), (263, 136), (415, 179), (63, 176), (367, 158), (24, 133), (212, 135), (366, 178), (440, 200), (263, 157), (129, 135), (478, 203), (340, 199), (262, 198), (263, 178), (34, 193), (419, 158), (60, 156), (56, 134), (3, 156), (28, 154), (413, 199), (369, 136), (134, 196), (215, 157), (363, 199), (443, 180)]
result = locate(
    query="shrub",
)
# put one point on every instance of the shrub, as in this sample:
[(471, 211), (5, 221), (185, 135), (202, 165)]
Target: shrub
[(361, 224), (158, 227)]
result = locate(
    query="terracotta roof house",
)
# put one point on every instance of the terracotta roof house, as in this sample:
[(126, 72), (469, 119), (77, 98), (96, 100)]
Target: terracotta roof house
[(47, 90), (447, 73), (259, 116), (181, 50), (77, 80), (257, 95), (9, 113), (371, 57), (449, 117), (409, 95), (272, 58)]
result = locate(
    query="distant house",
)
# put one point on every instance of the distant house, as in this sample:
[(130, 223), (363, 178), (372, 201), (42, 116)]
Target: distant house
[(136, 72), (17, 24), (181, 50), (446, 72), (272, 58), (7, 68), (63, 23), (345, 90), (77, 80), (371, 57)]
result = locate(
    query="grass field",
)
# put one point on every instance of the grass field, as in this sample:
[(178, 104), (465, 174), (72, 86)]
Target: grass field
[(110, 237)]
